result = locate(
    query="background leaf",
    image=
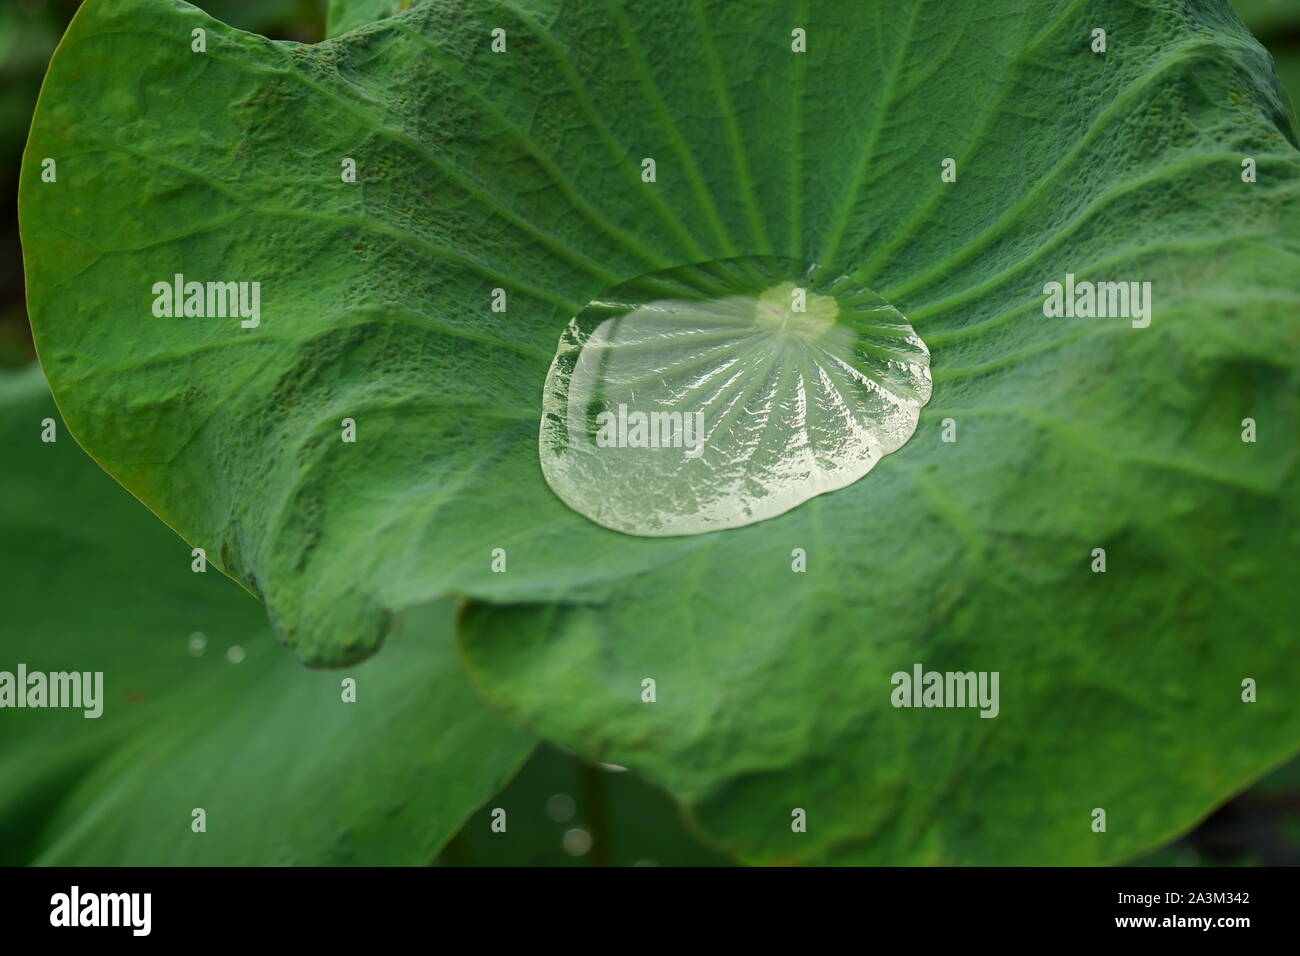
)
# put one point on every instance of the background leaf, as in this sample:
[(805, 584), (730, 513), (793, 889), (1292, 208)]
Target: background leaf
[(622, 821), (287, 773)]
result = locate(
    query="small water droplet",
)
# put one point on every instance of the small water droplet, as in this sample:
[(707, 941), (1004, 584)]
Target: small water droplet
[(576, 842), (561, 808), (197, 644), (235, 654), (716, 395)]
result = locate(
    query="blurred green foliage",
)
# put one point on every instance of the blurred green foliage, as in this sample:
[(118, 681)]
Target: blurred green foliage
[(1276, 24), (1268, 17), (563, 811)]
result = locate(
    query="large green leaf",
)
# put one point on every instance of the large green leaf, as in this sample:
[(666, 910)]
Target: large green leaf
[(521, 170), (286, 771)]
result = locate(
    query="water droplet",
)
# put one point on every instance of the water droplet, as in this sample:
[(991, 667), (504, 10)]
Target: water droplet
[(716, 395), (561, 808), (235, 654), (576, 842), (198, 643)]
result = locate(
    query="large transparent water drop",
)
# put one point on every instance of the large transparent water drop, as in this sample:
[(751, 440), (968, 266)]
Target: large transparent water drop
[(712, 396)]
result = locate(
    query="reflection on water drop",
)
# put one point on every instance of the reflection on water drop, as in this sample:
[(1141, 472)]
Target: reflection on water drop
[(716, 395)]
